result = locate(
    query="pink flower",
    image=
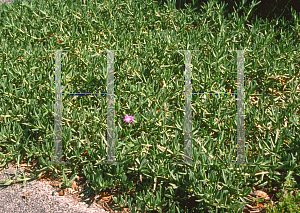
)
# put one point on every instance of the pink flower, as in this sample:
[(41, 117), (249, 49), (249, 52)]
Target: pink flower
[(128, 119)]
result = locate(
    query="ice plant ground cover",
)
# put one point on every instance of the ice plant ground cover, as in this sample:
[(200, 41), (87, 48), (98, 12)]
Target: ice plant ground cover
[(149, 88)]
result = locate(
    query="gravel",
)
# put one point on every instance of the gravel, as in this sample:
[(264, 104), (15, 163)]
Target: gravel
[(37, 196)]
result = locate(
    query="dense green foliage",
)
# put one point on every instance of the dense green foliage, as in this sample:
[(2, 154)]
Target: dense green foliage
[(149, 85)]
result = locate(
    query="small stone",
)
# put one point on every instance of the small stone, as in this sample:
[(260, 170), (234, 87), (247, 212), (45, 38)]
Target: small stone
[(54, 193), (26, 195), (61, 192)]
